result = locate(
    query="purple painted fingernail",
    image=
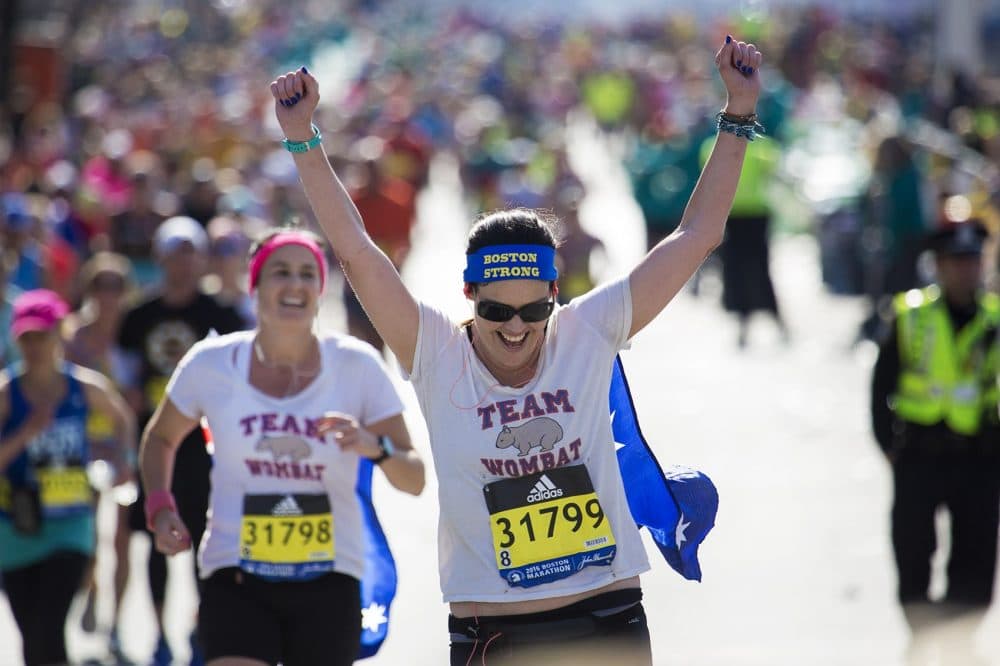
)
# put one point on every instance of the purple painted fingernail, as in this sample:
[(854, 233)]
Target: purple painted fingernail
[(298, 96), (729, 38), (749, 70), (304, 69), (283, 102), (739, 64)]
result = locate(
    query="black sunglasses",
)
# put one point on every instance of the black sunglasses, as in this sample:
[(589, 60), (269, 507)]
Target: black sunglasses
[(501, 312)]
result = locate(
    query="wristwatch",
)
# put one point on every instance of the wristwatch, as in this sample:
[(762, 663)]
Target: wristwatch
[(386, 446)]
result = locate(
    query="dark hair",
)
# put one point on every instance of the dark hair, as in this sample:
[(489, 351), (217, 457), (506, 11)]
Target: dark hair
[(513, 226), (262, 240)]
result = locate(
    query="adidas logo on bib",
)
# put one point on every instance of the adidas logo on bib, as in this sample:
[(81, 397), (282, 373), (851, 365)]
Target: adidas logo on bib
[(544, 490), (287, 507)]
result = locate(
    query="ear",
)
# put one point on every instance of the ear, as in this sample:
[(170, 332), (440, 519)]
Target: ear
[(467, 290), (555, 290)]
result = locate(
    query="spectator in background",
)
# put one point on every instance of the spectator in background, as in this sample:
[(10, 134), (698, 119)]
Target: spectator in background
[(154, 335), (47, 521), (202, 195), (746, 272), (575, 256), (8, 349), (132, 229), (25, 254), (664, 165), (609, 96), (227, 279), (407, 152), (934, 415), (894, 206), (389, 207), (92, 337)]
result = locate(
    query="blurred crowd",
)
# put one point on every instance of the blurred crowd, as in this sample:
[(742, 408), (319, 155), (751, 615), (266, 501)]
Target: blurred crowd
[(119, 115), (116, 116)]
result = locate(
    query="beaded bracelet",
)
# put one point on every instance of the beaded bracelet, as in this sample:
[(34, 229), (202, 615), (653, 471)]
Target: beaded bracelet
[(304, 146), (745, 127)]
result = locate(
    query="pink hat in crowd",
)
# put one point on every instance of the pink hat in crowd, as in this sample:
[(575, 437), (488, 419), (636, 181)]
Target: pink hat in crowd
[(37, 310)]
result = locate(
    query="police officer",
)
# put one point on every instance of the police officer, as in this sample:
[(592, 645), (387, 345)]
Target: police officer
[(934, 412)]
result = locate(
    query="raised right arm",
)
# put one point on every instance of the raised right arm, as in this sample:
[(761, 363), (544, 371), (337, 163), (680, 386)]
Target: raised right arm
[(390, 306)]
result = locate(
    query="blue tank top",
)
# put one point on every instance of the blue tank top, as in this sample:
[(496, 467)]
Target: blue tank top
[(55, 461), (55, 464)]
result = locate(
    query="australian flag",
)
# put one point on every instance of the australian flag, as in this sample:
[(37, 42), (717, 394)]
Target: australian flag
[(677, 506), (378, 584)]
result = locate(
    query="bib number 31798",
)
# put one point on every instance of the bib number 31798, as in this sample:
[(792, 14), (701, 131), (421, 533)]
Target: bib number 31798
[(287, 537)]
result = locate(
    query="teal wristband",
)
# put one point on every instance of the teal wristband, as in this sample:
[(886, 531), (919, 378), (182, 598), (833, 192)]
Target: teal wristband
[(304, 146)]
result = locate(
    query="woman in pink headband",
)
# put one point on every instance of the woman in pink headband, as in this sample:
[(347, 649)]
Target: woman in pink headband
[(297, 419)]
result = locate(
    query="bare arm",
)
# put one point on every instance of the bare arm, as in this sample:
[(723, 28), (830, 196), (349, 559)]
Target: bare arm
[(163, 435), (669, 265), (102, 397), (374, 279), (404, 469)]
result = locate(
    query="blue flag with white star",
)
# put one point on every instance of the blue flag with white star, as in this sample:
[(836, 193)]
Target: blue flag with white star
[(677, 506), (378, 584)]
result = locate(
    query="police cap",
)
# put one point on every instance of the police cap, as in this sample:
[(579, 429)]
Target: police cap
[(958, 238)]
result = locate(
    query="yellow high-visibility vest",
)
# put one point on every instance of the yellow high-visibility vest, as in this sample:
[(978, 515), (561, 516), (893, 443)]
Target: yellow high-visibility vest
[(944, 376)]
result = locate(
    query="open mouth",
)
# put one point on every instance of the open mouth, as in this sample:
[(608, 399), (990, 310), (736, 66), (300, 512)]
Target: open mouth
[(289, 302), (512, 342)]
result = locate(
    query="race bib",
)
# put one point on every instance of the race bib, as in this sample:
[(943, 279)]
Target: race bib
[(64, 489), (156, 388), (287, 537), (100, 427), (547, 526)]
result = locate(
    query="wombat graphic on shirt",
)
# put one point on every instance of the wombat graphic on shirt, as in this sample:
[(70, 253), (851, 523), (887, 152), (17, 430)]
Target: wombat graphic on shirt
[(294, 448), (542, 432)]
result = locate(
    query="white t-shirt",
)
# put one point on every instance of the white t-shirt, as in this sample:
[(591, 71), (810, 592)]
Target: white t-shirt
[(268, 446), (481, 432)]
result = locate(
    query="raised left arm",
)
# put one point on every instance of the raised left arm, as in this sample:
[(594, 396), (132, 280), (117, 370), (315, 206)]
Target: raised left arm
[(668, 266)]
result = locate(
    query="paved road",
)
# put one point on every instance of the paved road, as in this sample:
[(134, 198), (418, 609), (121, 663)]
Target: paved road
[(798, 569)]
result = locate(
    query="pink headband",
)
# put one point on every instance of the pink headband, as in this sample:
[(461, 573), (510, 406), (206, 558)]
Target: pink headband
[(281, 240)]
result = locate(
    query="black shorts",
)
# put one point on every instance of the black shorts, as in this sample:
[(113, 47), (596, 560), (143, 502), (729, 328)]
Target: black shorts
[(295, 623), (609, 628), (40, 595)]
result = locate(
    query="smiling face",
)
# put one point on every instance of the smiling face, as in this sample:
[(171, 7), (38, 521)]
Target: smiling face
[(288, 290), (510, 349)]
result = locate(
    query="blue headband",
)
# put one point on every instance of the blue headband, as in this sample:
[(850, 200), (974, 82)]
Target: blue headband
[(511, 262)]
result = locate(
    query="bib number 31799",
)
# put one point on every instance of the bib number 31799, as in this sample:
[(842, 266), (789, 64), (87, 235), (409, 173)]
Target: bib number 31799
[(547, 526)]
